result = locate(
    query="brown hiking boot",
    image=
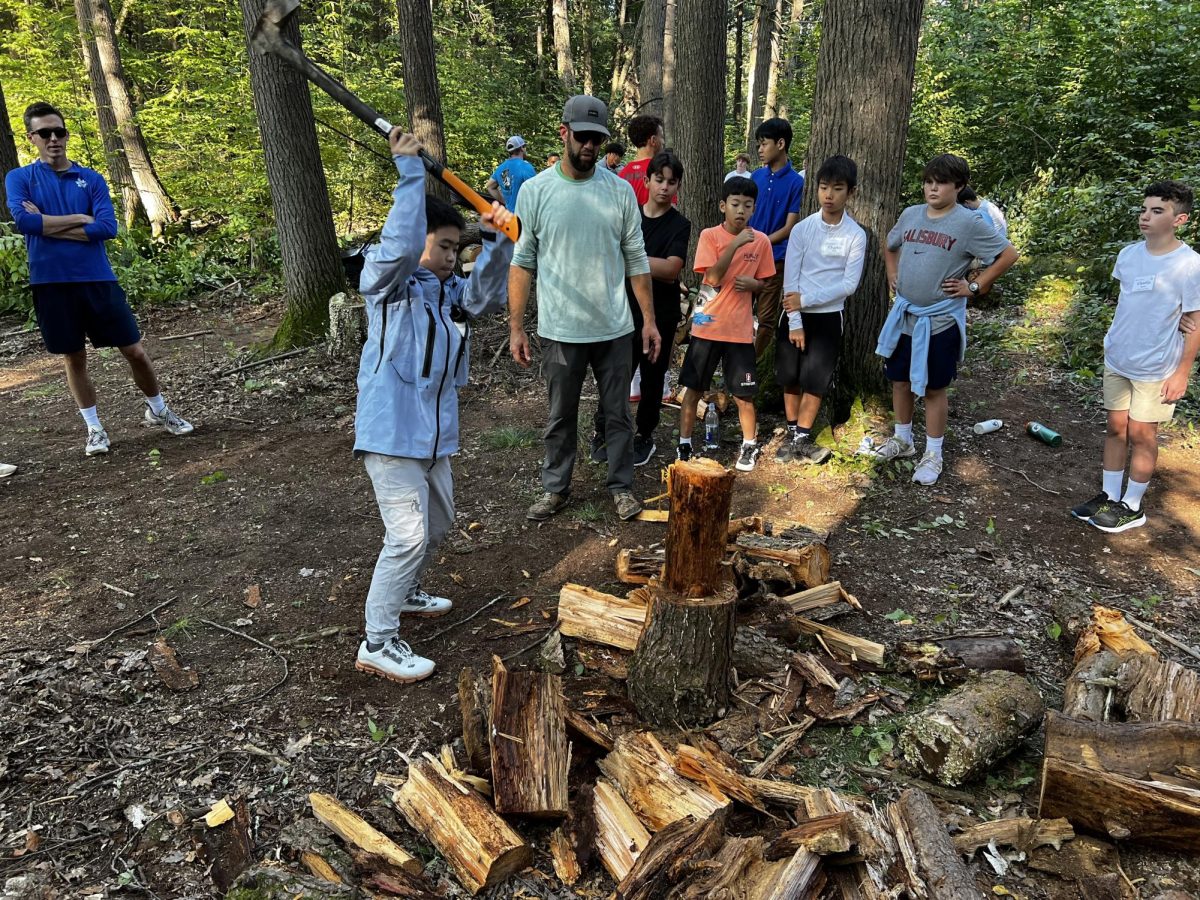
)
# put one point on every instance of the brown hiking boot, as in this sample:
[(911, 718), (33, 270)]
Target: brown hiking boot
[(546, 506)]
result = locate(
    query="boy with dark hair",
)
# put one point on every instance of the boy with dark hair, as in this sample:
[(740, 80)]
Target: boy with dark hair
[(505, 183), (66, 214), (666, 234), (734, 259), (925, 335), (413, 363), (646, 135), (780, 190), (822, 269), (986, 209), (614, 152), (1147, 362)]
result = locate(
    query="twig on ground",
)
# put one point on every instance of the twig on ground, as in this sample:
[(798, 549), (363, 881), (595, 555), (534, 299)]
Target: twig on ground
[(113, 587), (282, 659), (268, 360), (936, 790), (96, 643), (448, 628), (305, 639), (1023, 475), (1170, 639), (186, 334), (524, 650), (16, 331)]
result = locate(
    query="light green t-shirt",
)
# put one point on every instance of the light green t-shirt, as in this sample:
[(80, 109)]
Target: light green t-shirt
[(583, 238)]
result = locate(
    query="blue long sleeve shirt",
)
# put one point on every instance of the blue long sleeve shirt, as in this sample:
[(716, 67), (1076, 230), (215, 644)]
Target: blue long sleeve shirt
[(77, 189)]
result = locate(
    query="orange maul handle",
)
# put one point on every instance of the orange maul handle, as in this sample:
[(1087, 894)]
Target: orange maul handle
[(512, 228)]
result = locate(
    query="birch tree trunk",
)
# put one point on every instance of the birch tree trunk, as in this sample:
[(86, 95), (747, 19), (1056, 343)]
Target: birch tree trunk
[(562, 45), (422, 97)]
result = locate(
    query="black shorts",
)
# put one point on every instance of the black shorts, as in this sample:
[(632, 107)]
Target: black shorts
[(810, 369), (943, 359), (739, 366), (69, 311)]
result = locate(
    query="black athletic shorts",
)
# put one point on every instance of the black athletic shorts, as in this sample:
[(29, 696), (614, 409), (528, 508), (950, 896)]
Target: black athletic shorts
[(67, 312), (739, 366), (810, 369), (943, 359)]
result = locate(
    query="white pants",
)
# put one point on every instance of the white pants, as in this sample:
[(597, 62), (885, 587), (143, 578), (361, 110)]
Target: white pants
[(416, 502)]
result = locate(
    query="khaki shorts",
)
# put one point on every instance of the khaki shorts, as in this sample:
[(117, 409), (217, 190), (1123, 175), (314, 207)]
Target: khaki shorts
[(1143, 399)]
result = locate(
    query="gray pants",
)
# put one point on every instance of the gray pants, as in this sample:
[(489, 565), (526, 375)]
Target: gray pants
[(565, 366), (416, 502)]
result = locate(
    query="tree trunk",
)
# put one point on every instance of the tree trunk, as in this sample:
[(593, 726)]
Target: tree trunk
[(701, 492), (562, 45), (760, 68), (624, 82), (778, 36), (650, 51), (700, 110), (739, 50), (584, 19), (791, 44), (863, 111), (159, 208), (120, 176), (312, 269), (422, 98), (8, 155), (668, 67)]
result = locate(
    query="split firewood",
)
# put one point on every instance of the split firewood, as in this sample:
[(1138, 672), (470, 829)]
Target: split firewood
[(961, 735), (480, 847), (165, 662), (450, 764), (800, 877), (822, 835), (858, 649), (1090, 689), (1023, 833), (528, 739), (820, 596), (318, 867), (794, 556), (353, 829), (322, 854), (475, 703), (589, 728), (1096, 775), (872, 845), (724, 873), (784, 747), (562, 855), (602, 618), (654, 515), (701, 491), (1157, 690), (954, 658), (670, 854), (755, 524), (932, 867), (705, 768), (643, 771), (228, 846), (755, 655), (639, 566), (814, 671), (620, 835), (1108, 629)]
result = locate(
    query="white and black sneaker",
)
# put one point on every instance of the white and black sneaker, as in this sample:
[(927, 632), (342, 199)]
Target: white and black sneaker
[(167, 421), (97, 442), (643, 449), (422, 603), (394, 661), (747, 458)]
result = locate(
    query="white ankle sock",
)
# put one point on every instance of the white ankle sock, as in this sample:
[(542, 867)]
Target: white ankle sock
[(1134, 491), (1112, 483), (934, 445), (904, 432), (687, 441), (91, 417), (157, 404)]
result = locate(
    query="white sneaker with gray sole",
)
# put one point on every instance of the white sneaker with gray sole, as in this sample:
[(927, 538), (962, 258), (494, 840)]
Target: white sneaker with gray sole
[(894, 448), (168, 422), (97, 442), (928, 469), (422, 603), (394, 661)]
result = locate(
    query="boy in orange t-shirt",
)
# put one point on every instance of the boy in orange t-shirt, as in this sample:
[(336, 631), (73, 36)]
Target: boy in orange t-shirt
[(734, 260)]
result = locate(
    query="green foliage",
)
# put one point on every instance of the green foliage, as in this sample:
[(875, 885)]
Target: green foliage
[(508, 437)]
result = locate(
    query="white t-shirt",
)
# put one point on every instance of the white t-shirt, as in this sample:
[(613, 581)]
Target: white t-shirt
[(736, 174), (823, 264), (990, 212), (1144, 343)]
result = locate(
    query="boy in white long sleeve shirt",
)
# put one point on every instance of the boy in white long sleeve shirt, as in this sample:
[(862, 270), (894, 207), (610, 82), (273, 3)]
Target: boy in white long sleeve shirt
[(822, 268)]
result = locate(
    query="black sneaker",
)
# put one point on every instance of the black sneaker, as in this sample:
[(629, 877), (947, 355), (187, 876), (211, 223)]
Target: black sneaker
[(1085, 511), (747, 458), (598, 452), (643, 449), (787, 450), (1116, 517), (683, 452), (805, 451)]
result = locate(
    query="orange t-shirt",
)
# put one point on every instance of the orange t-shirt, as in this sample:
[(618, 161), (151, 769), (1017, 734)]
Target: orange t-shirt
[(732, 310)]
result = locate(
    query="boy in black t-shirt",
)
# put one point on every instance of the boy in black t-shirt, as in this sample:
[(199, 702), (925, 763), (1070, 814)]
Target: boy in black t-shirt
[(666, 233)]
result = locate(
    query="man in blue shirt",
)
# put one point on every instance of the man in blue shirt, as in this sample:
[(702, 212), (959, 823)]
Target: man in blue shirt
[(65, 212), (506, 181), (780, 189)]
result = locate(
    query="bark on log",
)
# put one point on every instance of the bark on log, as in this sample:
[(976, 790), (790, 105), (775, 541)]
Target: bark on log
[(528, 741), (602, 618), (591, 729), (1023, 833), (794, 557), (639, 566), (965, 732), (701, 492), (620, 835), (347, 328), (930, 861), (1099, 776), (1157, 690), (679, 672), (755, 655), (953, 658), (1088, 693), (475, 703), (669, 853), (480, 847)]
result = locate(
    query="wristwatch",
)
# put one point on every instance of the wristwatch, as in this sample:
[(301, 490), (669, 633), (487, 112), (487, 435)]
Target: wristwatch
[(973, 287)]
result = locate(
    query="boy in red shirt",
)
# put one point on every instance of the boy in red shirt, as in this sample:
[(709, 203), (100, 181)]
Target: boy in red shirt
[(734, 259), (646, 135)]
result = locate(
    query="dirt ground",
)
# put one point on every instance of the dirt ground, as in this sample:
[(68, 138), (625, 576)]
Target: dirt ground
[(171, 537)]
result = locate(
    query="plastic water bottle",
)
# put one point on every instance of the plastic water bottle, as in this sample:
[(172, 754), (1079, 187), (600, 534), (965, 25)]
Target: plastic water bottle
[(988, 427), (699, 316), (712, 427), (1042, 433)]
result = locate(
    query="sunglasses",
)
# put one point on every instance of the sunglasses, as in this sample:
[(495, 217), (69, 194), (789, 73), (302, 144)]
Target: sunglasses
[(589, 137), (46, 133)]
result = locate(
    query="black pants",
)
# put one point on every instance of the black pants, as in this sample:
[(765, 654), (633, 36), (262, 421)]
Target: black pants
[(654, 374)]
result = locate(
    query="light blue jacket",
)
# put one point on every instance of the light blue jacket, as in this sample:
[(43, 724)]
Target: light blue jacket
[(418, 331), (893, 327)]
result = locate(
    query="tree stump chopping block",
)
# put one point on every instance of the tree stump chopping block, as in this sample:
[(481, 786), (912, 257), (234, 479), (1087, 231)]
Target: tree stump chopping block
[(701, 492), (347, 327)]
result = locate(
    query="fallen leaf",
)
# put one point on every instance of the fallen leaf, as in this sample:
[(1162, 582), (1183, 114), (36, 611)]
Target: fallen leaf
[(242, 623), (525, 572), (457, 579), (520, 603), (307, 572), (137, 815), (253, 596), (32, 840), (296, 747)]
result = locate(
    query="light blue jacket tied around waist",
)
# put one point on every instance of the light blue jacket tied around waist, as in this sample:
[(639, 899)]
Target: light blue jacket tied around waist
[(893, 327), (418, 331)]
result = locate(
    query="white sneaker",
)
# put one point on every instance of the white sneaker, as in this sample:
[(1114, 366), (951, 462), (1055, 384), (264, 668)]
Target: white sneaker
[(395, 661), (894, 448), (7, 469), (168, 421), (928, 469), (422, 603), (97, 441)]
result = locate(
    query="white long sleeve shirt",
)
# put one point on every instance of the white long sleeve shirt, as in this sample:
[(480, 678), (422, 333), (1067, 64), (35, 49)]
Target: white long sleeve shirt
[(823, 264)]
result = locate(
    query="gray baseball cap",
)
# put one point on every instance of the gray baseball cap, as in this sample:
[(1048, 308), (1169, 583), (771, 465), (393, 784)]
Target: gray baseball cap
[(585, 113)]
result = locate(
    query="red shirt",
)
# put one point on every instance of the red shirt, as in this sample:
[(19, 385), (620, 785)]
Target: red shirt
[(635, 173)]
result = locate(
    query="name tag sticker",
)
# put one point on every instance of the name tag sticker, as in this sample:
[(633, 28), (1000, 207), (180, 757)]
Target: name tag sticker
[(835, 246), (1145, 283)]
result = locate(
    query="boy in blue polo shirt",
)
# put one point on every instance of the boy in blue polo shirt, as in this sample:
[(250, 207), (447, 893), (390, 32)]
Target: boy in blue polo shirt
[(777, 210), (65, 212)]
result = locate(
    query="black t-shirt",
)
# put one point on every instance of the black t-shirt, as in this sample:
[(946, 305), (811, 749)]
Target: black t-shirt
[(665, 236)]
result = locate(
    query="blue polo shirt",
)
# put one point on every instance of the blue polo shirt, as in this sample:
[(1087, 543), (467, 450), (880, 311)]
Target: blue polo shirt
[(779, 193), (77, 189)]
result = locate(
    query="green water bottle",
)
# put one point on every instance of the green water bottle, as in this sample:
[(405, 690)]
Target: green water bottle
[(1043, 434)]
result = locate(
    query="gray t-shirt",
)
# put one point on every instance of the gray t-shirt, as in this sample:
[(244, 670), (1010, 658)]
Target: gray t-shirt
[(932, 250)]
